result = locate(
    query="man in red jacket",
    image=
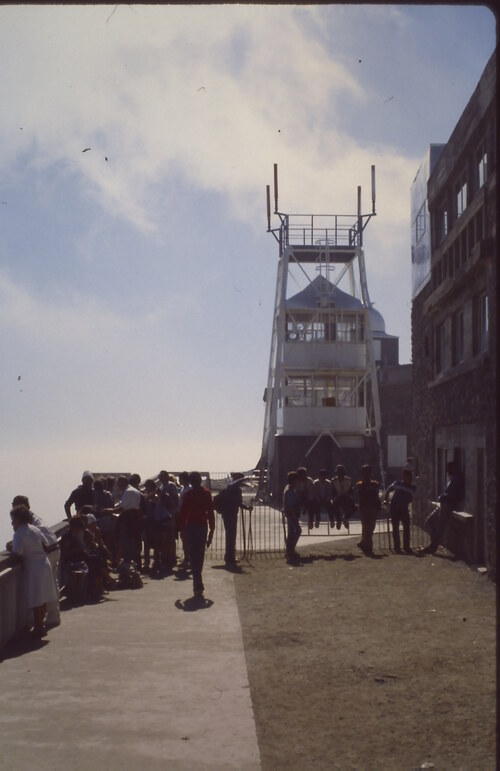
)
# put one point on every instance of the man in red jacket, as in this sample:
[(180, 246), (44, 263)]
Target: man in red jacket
[(197, 522)]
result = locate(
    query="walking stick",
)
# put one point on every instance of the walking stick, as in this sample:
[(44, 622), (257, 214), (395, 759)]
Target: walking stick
[(244, 533), (250, 533)]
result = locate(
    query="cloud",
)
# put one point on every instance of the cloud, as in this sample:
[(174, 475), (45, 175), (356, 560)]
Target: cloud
[(211, 93)]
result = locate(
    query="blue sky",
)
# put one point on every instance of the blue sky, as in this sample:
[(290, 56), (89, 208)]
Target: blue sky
[(137, 279)]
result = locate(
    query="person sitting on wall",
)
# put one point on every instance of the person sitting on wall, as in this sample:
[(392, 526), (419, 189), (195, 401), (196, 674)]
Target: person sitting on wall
[(321, 497), (96, 545), (449, 501), (291, 510), (343, 505), (77, 548), (369, 507), (399, 508), (303, 490)]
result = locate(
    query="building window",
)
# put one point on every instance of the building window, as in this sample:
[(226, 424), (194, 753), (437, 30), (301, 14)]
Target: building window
[(461, 196), (439, 348), (420, 223), (325, 327), (325, 391), (299, 392), (482, 167), (480, 323), (457, 338)]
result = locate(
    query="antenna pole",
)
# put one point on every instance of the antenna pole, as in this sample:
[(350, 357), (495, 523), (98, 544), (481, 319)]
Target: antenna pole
[(360, 218), (275, 188), (268, 197), (373, 189)]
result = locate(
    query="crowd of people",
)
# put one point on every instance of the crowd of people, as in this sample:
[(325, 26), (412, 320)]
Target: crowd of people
[(115, 524), (338, 498)]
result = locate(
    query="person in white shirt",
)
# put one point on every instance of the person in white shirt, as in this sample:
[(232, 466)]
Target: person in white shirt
[(129, 522), (53, 554), (321, 497)]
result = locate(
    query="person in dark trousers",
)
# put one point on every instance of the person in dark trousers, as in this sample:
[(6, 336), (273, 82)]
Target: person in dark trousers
[(369, 506), (197, 521), (343, 506), (449, 501), (232, 503), (83, 495), (399, 508), (291, 510)]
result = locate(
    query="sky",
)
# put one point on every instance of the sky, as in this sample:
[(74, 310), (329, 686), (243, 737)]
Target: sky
[(137, 279)]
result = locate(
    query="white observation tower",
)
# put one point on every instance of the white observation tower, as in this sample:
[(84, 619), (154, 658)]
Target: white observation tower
[(321, 401)]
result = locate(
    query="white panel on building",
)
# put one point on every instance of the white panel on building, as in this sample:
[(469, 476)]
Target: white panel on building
[(396, 451), (420, 223)]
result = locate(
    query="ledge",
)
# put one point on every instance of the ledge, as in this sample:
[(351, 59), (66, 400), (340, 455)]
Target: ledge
[(464, 368)]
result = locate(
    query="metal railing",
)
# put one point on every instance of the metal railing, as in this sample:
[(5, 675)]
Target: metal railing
[(261, 532), (323, 230)]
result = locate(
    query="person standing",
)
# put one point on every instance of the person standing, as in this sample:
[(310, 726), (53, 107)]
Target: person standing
[(303, 489), (53, 555), (169, 498), (129, 522), (369, 507), (184, 483), (399, 509), (232, 503), (83, 495), (197, 521), (29, 543), (291, 510)]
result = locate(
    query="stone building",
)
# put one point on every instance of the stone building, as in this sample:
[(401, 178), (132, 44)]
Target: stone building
[(454, 322)]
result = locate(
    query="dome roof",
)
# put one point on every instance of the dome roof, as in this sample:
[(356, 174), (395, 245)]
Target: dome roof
[(377, 320), (321, 289)]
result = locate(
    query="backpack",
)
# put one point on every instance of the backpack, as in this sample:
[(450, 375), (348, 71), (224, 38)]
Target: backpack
[(220, 502)]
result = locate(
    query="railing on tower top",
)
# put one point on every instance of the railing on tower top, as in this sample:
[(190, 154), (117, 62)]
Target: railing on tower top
[(323, 229)]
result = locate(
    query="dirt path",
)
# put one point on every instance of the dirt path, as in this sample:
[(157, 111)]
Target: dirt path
[(358, 663)]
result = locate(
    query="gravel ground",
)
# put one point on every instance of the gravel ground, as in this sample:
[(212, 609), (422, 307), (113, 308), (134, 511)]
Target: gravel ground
[(359, 663)]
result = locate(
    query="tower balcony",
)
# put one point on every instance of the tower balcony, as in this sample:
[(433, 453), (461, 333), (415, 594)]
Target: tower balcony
[(322, 355), (334, 238)]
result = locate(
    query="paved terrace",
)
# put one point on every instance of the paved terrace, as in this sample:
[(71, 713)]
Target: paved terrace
[(148, 679)]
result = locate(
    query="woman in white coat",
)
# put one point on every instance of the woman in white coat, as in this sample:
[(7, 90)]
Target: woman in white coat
[(29, 543)]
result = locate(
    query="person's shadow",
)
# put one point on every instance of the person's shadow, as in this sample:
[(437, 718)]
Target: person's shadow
[(194, 603), (21, 645)]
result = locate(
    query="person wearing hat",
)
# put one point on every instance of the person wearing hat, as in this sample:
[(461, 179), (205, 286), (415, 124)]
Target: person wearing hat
[(232, 503), (83, 495)]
